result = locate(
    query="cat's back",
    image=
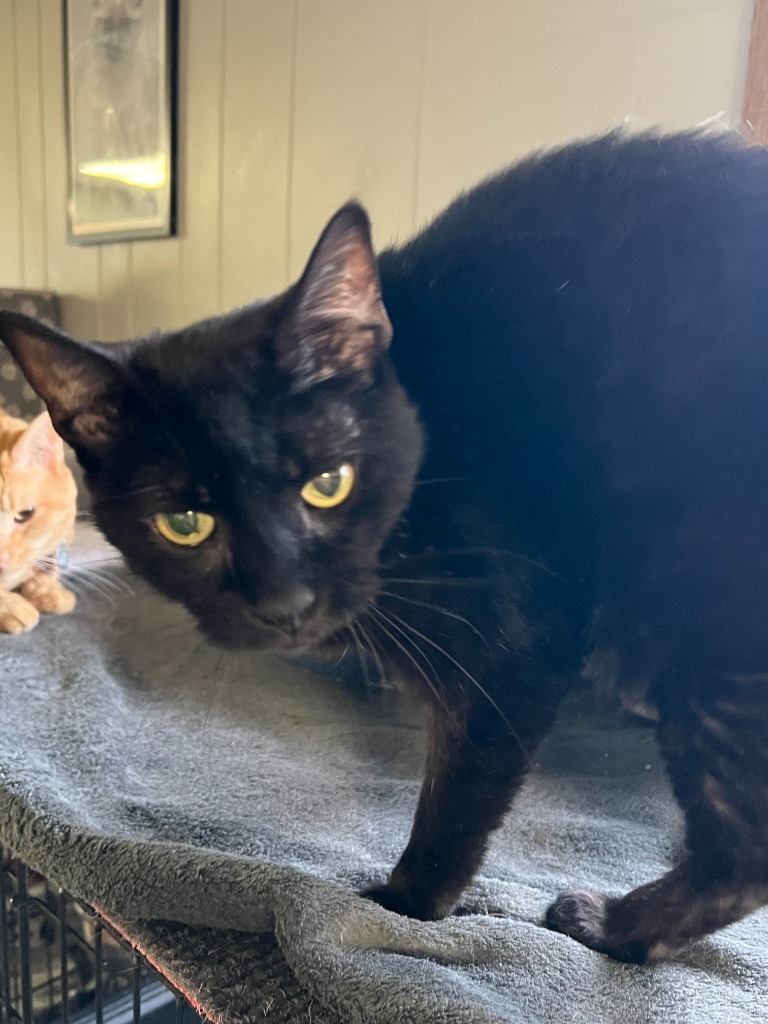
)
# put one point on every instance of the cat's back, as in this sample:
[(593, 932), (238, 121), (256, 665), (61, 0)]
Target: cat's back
[(614, 289), (594, 323), (593, 241)]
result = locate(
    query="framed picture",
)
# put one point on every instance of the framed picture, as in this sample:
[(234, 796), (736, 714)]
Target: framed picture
[(120, 62)]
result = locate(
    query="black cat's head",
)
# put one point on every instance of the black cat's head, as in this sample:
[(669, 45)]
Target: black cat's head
[(251, 465)]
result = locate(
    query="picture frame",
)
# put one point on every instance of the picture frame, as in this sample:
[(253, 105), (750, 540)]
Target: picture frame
[(120, 69)]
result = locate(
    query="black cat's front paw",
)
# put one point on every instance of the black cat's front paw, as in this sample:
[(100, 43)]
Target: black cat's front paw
[(584, 916), (401, 903)]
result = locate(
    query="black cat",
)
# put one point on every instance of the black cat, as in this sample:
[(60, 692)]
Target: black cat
[(579, 375)]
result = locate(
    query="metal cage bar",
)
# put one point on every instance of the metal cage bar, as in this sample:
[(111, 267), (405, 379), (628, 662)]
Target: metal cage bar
[(5, 959), (61, 963)]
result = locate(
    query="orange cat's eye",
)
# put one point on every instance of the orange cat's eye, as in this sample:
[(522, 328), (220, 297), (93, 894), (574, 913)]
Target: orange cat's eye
[(24, 516)]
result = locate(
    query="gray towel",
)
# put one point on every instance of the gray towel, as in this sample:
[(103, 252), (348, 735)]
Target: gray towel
[(195, 794)]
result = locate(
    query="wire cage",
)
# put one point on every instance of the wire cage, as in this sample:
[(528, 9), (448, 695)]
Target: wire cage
[(61, 962)]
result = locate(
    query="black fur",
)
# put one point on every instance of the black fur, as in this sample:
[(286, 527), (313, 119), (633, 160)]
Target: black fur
[(584, 340)]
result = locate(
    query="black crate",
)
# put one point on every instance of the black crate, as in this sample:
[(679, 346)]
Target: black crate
[(61, 962)]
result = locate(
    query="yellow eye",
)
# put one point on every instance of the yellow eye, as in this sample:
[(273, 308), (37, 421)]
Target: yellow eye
[(186, 528), (329, 489)]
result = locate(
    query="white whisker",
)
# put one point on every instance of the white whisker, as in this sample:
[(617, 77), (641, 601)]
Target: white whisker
[(372, 648), (443, 581), (360, 654), (476, 552), (437, 608), (470, 677), (433, 687), (90, 587), (108, 578)]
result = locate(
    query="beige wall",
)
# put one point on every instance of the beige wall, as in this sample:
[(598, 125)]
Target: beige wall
[(288, 107)]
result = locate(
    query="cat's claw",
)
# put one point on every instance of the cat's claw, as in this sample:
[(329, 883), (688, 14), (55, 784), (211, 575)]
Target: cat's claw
[(583, 915)]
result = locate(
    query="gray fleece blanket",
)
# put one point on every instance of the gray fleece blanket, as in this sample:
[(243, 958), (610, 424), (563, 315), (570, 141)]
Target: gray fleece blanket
[(225, 811)]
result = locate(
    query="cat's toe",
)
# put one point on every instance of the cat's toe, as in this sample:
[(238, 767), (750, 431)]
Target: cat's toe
[(12, 624), (584, 916), (61, 603), (49, 596), (579, 914)]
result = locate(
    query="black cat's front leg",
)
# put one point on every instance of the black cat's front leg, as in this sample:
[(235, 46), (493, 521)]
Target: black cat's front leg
[(470, 779)]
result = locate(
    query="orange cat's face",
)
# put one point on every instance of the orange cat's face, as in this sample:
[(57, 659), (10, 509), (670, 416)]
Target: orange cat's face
[(37, 496)]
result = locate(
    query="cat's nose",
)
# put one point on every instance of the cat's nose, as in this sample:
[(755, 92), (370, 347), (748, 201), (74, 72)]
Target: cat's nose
[(286, 608), (3, 560)]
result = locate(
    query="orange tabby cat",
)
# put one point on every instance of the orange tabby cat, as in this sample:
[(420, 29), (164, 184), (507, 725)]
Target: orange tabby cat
[(37, 513)]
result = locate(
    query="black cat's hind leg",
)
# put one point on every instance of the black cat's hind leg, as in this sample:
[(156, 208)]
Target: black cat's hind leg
[(716, 747), (473, 771), (657, 919)]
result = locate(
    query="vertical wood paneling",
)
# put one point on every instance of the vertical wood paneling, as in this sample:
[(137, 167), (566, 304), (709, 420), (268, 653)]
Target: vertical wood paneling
[(256, 147), (755, 110), (156, 293), (156, 286), (11, 243), (544, 73), (31, 151), (692, 66), (202, 74), (115, 296), (289, 108), (73, 271), (357, 115)]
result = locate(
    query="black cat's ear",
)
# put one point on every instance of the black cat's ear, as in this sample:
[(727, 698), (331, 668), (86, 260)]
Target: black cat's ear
[(338, 325), (84, 389)]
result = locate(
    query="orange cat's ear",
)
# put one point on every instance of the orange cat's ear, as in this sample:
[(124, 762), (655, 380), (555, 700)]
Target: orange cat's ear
[(82, 385), (39, 446), (338, 326)]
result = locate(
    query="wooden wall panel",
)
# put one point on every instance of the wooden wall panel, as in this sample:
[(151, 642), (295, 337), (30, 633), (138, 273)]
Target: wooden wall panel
[(202, 62), (289, 107), (157, 285), (755, 111), (73, 271), (12, 241), (31, 145), (157, 297), (546, 73), (256, 154), (115, 293), (358, 89), (686, 65)]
